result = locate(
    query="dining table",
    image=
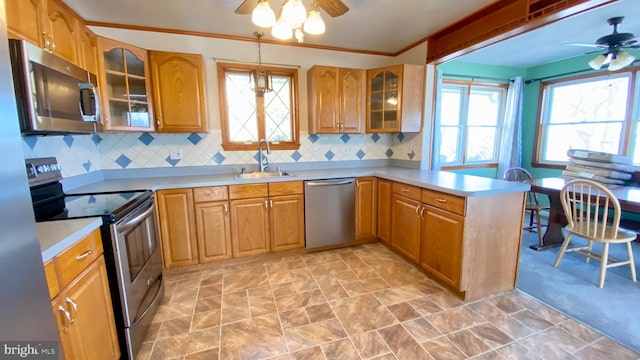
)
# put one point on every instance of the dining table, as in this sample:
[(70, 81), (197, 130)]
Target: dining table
[(628, 197)]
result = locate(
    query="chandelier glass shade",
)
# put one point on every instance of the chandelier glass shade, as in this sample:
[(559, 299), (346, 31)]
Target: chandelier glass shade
[(616, 60), (292, 19), (260, 80)]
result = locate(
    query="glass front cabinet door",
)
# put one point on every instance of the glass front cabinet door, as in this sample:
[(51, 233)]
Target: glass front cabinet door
[(125, 87), (395, 98)]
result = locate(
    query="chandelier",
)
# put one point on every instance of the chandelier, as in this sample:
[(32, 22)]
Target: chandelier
[(292, 19)]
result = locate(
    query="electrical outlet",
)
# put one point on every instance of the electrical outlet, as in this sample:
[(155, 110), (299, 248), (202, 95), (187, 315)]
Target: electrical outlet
[(175, 153), (344, 149)]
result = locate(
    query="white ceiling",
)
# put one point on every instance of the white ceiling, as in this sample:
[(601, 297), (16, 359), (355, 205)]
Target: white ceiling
[(548, 44), (386, 26)]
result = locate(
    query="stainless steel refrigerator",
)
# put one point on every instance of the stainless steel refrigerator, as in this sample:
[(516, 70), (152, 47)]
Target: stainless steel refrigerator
[(25, 308)]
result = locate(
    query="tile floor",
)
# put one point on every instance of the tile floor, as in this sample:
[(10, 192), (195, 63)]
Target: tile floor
[(362, 302)]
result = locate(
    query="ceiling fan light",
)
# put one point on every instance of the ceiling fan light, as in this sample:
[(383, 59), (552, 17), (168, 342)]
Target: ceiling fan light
[(314, 24), (621, 60), (262, 15), (281, 30), (597, 62), (294, 13)]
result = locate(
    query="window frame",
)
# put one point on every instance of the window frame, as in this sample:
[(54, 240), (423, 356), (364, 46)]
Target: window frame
[(464, 164), (631, 118), (227, 144)]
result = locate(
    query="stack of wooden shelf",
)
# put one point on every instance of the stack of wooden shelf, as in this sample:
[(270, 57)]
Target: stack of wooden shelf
[(598, 166)]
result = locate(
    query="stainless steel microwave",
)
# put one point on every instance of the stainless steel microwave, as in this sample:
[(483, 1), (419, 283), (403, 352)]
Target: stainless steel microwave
[(53, 95)]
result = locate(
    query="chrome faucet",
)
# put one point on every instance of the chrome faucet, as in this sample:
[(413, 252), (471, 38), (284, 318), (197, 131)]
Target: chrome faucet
[(262, 158)]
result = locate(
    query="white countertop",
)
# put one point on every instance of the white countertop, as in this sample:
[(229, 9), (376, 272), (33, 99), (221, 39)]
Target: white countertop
[(448, 182), (55, 236)]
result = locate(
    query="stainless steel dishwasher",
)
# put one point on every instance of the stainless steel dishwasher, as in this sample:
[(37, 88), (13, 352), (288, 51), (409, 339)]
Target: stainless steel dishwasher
[(329, 212)]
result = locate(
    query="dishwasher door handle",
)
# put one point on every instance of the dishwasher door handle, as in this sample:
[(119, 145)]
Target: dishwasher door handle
[(330, 182)]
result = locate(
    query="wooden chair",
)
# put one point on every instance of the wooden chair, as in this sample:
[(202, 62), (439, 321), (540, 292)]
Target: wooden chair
[(533, 206), (593, 212)]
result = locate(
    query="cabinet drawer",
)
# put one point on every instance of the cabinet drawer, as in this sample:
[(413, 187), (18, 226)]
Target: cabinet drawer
[(210, 193), (410, 191), (286, 188), (443, 201), (248, 191), (76, 258), (52, 278)]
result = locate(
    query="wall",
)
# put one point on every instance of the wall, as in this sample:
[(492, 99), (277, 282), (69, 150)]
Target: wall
[(80, 154), (472, 70)]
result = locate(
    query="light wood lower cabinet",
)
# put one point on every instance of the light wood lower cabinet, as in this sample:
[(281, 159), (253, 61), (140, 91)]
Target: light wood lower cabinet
[(250, 226), (441, 244), (214, 231), (469, 243), (384, 210), (366, 207), (176, 220), (405, 226), (81, 301)]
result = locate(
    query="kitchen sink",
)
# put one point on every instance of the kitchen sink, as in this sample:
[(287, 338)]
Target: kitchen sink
[(262, 174)]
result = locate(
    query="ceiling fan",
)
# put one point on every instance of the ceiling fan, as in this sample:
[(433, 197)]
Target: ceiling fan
[(332, 7), (613, 45)]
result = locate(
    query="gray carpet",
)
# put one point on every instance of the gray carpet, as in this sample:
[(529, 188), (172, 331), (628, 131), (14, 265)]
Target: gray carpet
[(572, 289)]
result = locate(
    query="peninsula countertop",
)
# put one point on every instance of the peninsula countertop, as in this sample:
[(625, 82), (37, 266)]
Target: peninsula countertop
[(444, 181)]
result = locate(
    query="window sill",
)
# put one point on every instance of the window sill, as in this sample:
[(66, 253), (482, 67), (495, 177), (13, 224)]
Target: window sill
[(469, 166)]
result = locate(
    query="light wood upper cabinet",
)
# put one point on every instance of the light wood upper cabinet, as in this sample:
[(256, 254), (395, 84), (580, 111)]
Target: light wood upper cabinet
[(62, 26), (395, 98), (366, 207), (336, 100), (25, 19), (88, 49), (178, 91), (124, 86), (84, 316), (213, 223), (384, 210), (176, 220)]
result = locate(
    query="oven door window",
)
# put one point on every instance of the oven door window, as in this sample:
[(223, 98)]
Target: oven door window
[(140, 240)]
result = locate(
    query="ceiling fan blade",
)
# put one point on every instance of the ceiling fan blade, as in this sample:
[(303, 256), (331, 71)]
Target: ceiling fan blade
[(246, 7), (632, 43), (587, 45), (333, 7)]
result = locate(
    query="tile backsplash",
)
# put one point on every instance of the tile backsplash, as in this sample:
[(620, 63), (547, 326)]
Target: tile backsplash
[(81, 154)]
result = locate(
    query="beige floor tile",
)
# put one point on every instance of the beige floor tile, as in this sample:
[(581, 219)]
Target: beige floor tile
[(208, 304), (245, 279), (401, 343), (365, 286), (211, 354), (604, 348), (320, 312), (443, 349), (174, 327), (491, 335), (421, 330), (454, 319), (235, 306), (487, 310), (205, 319), (506, 304), (260, 337), (313, 334), (512, 327), (531, 320), (213, 290), (314, 353), (340, 350), (468, 342), (152, 333), (290, 302), (425, 306), (370, 344), (446, 300), (576, 329), (515, 351), (349, 311), (399, 294), (293, 318), (403, 311)]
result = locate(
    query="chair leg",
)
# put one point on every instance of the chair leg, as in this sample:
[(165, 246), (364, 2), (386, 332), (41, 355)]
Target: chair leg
[(604, 261), (539, 227), (589, 246), (563, 248), (531, 219), (632, 264)]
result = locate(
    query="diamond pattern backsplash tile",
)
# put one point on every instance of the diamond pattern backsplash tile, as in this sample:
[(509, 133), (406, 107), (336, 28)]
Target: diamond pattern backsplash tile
[(80, 154)]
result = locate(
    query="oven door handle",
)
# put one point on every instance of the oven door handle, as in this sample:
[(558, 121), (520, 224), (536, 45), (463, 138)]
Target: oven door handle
[(136, 220)]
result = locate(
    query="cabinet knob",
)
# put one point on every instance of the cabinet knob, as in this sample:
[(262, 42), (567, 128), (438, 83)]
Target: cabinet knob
[(74, 306), (67, 317)]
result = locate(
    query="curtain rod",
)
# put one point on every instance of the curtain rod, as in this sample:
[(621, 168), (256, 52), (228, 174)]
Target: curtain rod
[(472, 77), (567, 73), (254, 63)]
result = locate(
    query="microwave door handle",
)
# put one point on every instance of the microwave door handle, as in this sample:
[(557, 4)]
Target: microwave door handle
[(85, 88), (135, 221)]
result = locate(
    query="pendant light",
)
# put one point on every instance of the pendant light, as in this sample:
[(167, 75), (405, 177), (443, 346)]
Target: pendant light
[(261, 81)]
